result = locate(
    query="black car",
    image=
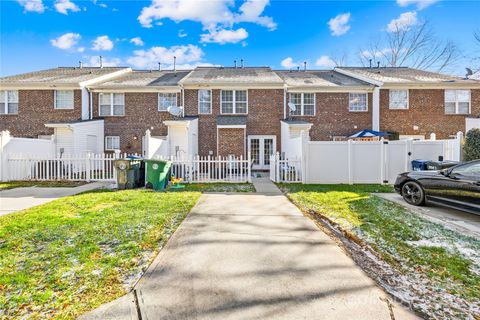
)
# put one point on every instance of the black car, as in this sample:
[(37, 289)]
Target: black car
[(457, 187)]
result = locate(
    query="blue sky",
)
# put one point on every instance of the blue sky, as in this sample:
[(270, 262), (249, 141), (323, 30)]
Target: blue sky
[(39, 34)]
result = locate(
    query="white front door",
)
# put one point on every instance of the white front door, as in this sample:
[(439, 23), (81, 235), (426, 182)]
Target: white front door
[(261, 148)]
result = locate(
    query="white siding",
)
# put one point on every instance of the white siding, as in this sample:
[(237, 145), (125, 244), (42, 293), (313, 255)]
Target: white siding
[(64, 140)]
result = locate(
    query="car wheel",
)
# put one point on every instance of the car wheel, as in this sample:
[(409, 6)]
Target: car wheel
[(413, 193)]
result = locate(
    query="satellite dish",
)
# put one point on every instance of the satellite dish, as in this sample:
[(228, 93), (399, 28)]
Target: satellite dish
[(292, 106), (175, 111)]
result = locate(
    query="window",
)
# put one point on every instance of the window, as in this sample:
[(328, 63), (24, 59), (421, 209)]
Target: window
[(357, 102), (9, 102), (112, 143), (468, 170), (398, 99), (234, 102), (63, 99), (304, 103), (166, 100), (457, 101), (111, 104), (204, 101)]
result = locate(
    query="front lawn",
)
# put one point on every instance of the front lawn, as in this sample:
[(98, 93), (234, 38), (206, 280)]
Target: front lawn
[(68, 256), (46, 184), (440, 265)]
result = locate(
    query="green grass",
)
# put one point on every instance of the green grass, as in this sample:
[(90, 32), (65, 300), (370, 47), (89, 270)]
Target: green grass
[(73, 254), (392, 231), (220, 187), (51, 184)]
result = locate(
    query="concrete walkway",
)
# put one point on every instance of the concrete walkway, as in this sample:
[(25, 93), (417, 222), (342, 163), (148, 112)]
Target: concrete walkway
[(23, 198), (251, 256)]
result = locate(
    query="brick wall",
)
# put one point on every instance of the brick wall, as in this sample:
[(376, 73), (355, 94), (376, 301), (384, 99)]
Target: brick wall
[(427, 111), (332, 117), (265, 110), (35, 108), (141, 113), (231, 141)]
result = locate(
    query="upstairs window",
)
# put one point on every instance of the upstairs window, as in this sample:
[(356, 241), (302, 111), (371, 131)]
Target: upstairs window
[(111, 104), (304, 104), (357, 102), (166, 100), (63, 99), (234, 102), (457, 101), (204, 101), (398, 99), (9, 102)]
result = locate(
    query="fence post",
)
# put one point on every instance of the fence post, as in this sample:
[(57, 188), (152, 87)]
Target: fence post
[(349, 156), (458, 146), (4, 139), (249, 167), (277, 167), (88, 167)]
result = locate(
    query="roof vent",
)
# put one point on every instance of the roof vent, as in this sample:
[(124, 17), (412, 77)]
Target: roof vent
[(378, 64), (235, 63), (159, 66), (304, 65), (101, 62), (241, 63), (174, 63), (80, 64), (370, 60)]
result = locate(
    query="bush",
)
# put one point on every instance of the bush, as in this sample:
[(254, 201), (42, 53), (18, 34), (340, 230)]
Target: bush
[(471, 149)]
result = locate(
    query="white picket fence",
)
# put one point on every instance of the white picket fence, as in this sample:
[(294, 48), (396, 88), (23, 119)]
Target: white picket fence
[(285, 170), (210, 169)]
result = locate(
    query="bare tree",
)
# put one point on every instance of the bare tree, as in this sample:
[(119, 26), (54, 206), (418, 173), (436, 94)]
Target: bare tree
[(414, 46), (476, 34)]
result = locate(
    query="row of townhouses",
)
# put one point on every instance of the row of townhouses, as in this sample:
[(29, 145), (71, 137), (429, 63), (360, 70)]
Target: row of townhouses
[(226, 110)]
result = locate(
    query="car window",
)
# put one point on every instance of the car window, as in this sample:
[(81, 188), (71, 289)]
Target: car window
[(470, 170)]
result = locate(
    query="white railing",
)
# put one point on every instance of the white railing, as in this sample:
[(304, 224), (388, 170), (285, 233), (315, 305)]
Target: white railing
[(285, 170), (210, 169), (86, 167)]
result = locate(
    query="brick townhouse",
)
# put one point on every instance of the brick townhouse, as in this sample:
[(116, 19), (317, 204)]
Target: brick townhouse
[(236, 110)]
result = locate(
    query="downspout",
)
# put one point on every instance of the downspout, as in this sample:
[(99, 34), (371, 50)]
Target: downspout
[(182, 91), (284, 102), (376, 109)]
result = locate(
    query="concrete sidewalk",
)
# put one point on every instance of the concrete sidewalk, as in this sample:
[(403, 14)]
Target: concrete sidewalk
[(251, 256), (23, 198)]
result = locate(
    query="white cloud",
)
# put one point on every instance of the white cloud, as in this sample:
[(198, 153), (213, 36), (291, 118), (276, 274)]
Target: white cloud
[(339, 24), (403, 22), (137, 41), (217, 17), (223, 36), (102, 43), (94, 61), (186, 55), (182, 33), (421, 4), (288, 63), (325, 62), (32, 5), (63, 6), (68, 41)]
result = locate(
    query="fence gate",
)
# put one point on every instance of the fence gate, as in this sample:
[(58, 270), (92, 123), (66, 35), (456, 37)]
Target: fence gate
[(285, 170)]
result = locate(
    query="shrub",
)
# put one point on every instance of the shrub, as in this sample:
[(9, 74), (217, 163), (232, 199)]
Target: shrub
[(471, 149)]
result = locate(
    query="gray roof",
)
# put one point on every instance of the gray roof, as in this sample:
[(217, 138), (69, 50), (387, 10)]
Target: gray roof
[(231, 120), (229, 75), (404, 75), (319, 78), (144, 79), (60, 75)]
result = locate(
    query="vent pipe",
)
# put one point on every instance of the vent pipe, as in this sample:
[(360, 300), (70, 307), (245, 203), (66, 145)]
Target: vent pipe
[(235, 63), (80, 64), (298, 68), (370, 60), (241, 63), (305, 66), (101, 62), (159, 66), (174, 63), (378, 64)]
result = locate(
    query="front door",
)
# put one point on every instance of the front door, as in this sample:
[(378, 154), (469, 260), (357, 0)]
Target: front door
[(261, 148)]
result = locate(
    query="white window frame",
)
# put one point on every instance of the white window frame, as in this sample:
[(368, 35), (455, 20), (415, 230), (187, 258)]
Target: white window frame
[(158, 100), (6, 102), (302, 104), (111, 104), (112, 138), (390, 100), (66, 108), (234, 102), (366, 102), (211, 98), (456, 101)]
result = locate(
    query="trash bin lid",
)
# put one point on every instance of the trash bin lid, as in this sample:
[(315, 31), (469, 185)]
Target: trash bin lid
[(134, 157)]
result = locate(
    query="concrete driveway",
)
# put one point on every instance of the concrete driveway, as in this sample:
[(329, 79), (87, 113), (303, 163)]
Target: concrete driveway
[(251, 256), (23, 198), (466, 223)]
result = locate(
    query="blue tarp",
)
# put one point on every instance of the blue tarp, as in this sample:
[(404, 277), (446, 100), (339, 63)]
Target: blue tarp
[(368, 134)]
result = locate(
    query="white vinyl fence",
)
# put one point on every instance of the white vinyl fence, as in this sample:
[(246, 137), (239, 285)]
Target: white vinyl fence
[(285, 170), (211, 169)]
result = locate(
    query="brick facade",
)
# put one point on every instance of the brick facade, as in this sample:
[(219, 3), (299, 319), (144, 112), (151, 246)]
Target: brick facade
[(141, 113), (427, 112), (333, 118), (231, 141), (35, 108)]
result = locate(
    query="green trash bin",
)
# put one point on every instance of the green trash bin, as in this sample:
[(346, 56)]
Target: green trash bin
[(157, 174)]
